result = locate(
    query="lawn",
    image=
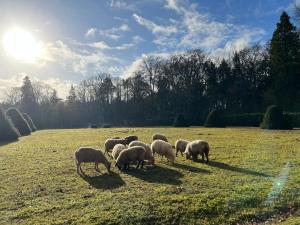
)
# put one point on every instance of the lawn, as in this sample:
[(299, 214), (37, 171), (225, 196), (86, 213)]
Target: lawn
[(254, 175)]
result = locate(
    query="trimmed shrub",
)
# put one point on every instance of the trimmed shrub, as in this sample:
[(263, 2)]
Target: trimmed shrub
[(30, 122), (215, 119), (180, 121), (245, 119), (106, 125), (295, 117), (93, 125), (18, 121), (8, 132), (274, 119)]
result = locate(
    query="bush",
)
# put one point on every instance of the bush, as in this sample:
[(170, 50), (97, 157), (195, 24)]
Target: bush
[(180, 121), (245, 119), (215, 119), (8, 132), (93, 125), (274, 119), (295, 117), (18, 121), (30, 122), (106, 125)]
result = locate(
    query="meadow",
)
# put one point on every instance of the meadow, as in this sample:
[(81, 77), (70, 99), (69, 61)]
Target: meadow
[(253, 177)]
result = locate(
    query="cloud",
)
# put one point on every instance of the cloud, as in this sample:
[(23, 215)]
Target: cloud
[(153, 27), (114, 33), (196, 29), (90, 33), (61, 86), (121, 4)]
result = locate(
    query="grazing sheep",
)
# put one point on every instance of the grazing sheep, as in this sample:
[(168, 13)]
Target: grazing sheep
[(164, 149), (159, 137), (86, 154), (132, 154), (131, 138), (116, 150), (195, 148), (109, 144), (180, 146), (148, 155)]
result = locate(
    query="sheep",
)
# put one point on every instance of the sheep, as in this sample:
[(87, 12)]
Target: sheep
[(86, 154), (116, 150), (159, 137), (148, 155), (131, 138), (195, 148), (109, 144), (131, 154), (164, 149), (180, 146)]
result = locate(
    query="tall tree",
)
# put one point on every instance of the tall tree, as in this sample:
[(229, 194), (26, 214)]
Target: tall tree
[(285, 64), (28, 99)]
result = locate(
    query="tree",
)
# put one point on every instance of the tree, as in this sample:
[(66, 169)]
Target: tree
[(285, 64), (29, 121), (18, 120), (28, 99), (180, 121), (8, 132)]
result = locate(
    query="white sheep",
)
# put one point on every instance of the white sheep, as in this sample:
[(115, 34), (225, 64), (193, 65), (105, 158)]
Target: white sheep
[(180, 146), (148, 156), (164, 149), (86, 154), (195, 148), (116, 150), (132, 154), (159, 137), (109, 144)]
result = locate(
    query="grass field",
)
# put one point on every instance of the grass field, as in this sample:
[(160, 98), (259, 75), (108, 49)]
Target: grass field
[(254, 175)]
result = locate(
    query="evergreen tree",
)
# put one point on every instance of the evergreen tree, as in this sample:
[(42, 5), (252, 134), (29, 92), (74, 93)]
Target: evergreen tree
[(285, 64), (28, 99)]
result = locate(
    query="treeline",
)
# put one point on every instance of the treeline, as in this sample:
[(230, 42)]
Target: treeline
[(190, 84)]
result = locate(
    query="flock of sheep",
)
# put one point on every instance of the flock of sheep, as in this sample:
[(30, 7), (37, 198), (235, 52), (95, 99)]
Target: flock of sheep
[(130, 150)]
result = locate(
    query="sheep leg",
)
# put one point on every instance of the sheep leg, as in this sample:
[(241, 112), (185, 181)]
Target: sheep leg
[(176, 152), (142, 164), (80, 168), (96, 167), (206, 155), (181, 153), (138, 164), (202, 154), (78, 165)]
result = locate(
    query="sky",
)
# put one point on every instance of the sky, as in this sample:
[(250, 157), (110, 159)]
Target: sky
[(67, 41)]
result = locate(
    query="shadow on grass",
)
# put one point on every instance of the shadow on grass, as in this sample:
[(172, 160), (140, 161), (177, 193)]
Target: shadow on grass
[(190, 168), (3, 143), (225, 166), (157, 174), (105, 181)]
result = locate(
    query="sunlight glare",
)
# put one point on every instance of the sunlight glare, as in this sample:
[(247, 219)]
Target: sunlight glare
[(21, 45)]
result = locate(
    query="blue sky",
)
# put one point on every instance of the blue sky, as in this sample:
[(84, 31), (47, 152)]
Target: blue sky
[(81, 38)]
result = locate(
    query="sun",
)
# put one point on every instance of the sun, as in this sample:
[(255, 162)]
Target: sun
[(21, 45)]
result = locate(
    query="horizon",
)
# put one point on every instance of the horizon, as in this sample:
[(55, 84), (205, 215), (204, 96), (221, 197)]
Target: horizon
[(74, 41)]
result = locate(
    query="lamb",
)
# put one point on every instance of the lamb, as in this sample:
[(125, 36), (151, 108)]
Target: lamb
[(116, 150), (109, 144), (86, 154), (159, 137), (180, 146), (164, 149), (148, 155), (131, 154), (195, 148), (131, 138)]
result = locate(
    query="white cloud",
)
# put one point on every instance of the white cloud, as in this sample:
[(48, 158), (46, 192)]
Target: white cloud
[(153, 27), (61, 86), (114, 33), (195, 29), (90, 33)]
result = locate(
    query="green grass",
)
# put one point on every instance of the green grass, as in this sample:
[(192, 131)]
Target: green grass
[(39, 183)]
